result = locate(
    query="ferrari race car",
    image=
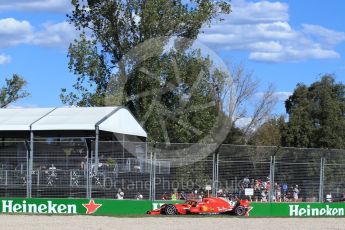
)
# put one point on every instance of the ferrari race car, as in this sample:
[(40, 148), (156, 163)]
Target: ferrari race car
[(210, 205)]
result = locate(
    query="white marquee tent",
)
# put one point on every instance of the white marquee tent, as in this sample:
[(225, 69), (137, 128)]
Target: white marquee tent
[(108, 119), (31, 121)]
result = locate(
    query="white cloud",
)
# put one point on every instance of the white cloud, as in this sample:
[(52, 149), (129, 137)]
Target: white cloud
[(327, 36), (293, 54), (249, 12), (14, 32), (243, 122), (59, 34), (262, 29), (35, 5), (4, 59), (282, 96)]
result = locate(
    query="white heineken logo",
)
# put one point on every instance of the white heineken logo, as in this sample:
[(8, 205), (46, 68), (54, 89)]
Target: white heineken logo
[(157, 205), (9, 206), (295, 210)]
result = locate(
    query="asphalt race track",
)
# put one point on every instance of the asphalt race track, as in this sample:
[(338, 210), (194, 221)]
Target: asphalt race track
[(27, 222)]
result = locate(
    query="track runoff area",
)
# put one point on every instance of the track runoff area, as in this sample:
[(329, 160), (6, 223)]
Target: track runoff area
[(31, 222)]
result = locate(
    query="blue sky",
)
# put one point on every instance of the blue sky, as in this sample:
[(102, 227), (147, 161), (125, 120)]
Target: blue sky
[(282, 42)]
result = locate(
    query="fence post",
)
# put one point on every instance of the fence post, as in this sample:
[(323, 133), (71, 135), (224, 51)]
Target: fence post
[(30, 166), (88, 167), (87, 175), (272, 169), (27, 146), (217, 173), (154, 176), (213, 173), (322, 175), (96, 160), (151, 176)]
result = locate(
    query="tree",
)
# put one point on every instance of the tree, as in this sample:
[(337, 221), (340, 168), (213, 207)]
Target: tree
[(156, 88), (182, 104), (12, 91), (246, 102), (116, 27), (268, 134), (316, 115), (235, 136)]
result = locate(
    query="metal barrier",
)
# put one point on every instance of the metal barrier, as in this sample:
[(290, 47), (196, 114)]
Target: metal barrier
[(137, 170)]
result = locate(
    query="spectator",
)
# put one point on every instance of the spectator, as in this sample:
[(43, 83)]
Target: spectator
[(278, 192), (343, 198), (52, 167), (263, 195), (173, 196), (257, 193), (268, 184), (195, 194), (225, 194), (201, 195), (120, 194), (183, 196), (290, 193), (329, 197), (296, 192), (285, 190), (263, 185), (165, 196), (139, 196), (220, 193), (82, 165), (246, 182)]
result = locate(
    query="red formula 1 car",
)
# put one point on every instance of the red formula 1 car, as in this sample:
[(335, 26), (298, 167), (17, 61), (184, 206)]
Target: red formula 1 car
[(210, 205)]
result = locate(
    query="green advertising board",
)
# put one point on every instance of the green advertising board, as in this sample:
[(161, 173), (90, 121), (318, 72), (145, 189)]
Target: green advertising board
[(74, 206), (297, 210), (140, 207), (285, 209)]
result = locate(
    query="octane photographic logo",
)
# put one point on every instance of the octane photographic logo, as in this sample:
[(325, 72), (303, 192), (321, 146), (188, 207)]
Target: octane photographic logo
[(137, 62)]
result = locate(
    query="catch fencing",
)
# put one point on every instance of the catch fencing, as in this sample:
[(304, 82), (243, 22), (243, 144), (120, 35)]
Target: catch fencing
[(139, 170)]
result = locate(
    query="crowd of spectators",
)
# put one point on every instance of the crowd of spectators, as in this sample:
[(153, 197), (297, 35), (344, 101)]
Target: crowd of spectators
[(120, 195), (329, 197), (195, 194), (282, 192), (260, 192)]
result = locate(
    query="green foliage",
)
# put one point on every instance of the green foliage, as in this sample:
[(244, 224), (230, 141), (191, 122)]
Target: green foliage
[(196, 174), (268, 134), (235, 136), (116, 27), (159, 90), (111, 161), (181, 100), (12, 91), (316, 115)]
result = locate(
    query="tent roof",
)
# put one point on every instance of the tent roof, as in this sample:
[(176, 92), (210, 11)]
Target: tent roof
[(110, 119), (20, 119)]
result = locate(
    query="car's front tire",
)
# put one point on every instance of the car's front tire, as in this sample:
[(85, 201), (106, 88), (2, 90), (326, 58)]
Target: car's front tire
[(170, 210)]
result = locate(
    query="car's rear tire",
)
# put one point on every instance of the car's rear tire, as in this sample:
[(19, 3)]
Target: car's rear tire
[(240, 211), (170, 210)]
